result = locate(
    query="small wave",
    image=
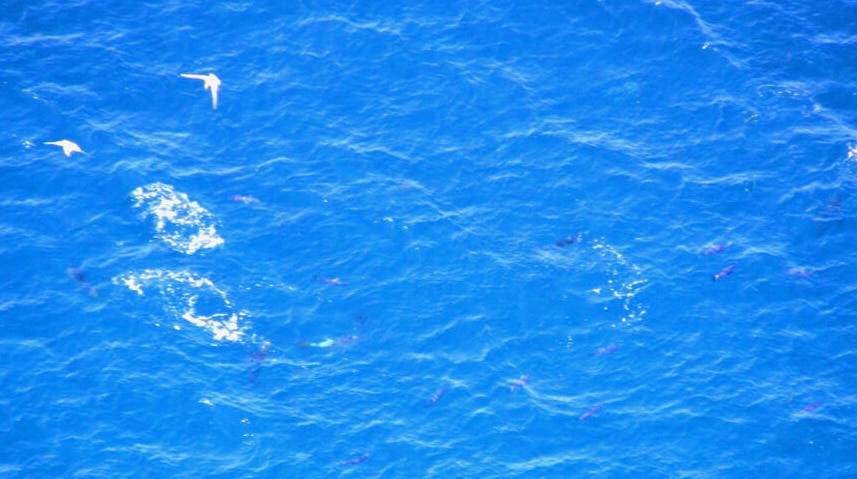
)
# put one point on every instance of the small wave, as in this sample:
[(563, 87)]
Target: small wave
[(183, 224), (191, 297)]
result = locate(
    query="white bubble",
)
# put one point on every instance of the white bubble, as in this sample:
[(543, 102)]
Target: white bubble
[(183, 224), (189, 297)]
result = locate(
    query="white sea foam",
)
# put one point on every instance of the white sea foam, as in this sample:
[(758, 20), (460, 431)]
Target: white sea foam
[(183, 224), (190, 297)]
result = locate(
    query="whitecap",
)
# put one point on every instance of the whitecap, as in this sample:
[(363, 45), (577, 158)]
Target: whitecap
[(183, 224)]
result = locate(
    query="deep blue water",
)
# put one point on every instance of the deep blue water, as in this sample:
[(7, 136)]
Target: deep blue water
[(458, 239)]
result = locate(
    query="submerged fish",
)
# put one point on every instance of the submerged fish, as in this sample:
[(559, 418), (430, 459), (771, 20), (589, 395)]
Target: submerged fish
[(568, 240), (256, 358), (260, 354), (436, 397), (355, 460), (724, 272), (77, 274), (801, 273), (714, 249), (520, 382), (834, 206), (331, 281), (244, 199), (329, 343), (607, 349), (80, 276), (591, 412), (812, 407)]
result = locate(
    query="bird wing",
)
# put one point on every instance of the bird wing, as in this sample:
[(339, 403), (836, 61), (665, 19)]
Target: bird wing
[(214, 96)]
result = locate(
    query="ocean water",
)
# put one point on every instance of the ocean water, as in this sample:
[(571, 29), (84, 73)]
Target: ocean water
[(450, 239)]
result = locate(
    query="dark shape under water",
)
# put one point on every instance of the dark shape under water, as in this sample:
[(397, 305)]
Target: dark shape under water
[(800, 273), (831, 218), (256, 358), (591, 412), (260, 354), (568, 240), (331, 281), (834, 206), (812, 407), (436, 397), (714, 249), (329, 343), (355, 460), (519, 383), (724, 272), (79, 275), (611, 348), (243, 199)]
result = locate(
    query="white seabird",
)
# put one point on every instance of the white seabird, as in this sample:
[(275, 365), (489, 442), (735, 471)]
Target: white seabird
[(211, 82), (68, 147)]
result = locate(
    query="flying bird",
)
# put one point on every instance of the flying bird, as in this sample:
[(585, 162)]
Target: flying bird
[(211, 83), (68, 147)]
